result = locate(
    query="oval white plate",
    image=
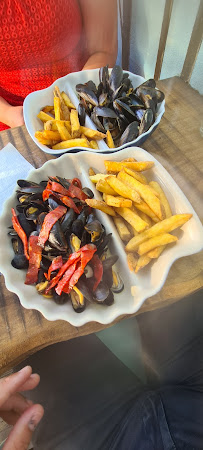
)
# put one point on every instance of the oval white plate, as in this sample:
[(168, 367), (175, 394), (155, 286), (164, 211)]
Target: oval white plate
[(37, 100), (137, 287)]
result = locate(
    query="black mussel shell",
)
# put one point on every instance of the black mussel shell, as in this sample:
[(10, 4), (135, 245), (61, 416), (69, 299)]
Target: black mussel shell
[(19, 262), (77, 304), (74, 243), (41, 277), (103, 111), (81, 113), (147, 121), (101, 293), (57, 238), (130, 133), (33, 210), (27, 226), (52, 203), (87, 94), (83, 287), (68, 220), (95, 229), (61, 299), (92, 86), (17, 245), (150, 83), (116, 78), (109, 262), (103, 244), (88, 192), (77, 227), (110, 299), (64, 182)]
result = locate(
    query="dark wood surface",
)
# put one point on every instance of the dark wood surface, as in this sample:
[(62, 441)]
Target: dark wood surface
[(177, 144)]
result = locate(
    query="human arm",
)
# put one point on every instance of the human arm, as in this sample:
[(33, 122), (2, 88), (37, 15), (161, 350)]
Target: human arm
[(100, 27), (17, 410), (11, 115)]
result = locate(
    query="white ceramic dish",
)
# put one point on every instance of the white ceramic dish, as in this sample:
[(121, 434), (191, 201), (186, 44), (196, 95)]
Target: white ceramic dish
[(137, 287), (35, 101)]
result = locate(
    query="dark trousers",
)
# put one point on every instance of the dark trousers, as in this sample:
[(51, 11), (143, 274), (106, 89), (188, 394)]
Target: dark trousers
[(92, 401)]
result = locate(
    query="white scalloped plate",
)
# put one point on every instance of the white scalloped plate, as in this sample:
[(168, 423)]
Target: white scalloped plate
[(35, 101), (139, 286)]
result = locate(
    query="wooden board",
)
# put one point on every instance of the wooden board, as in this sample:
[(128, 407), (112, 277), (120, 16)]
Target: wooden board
[(177, 144)]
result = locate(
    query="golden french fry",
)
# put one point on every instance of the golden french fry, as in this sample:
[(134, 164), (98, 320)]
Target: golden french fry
[(132, 261), (137, 175), (115, 166), (163, 198), (122, 189), (70, 143), (156, 241), (117, 202), (43, 140), (99, 176), (49, 134), (48, 109), (103, 186), (152, 201), (165, 226), (102, 206), (156, 252), (146, 210), (129, 160), (65, 113), (144, 216), (67, 100), (44, 116), (66, 123), (141, 262), (75, 124), (64, 133), (123, 231), (133, 219), (93, 144), (84, 137), (109, 140), (48, 125), (92, 134), (91, 172), (57, 108)]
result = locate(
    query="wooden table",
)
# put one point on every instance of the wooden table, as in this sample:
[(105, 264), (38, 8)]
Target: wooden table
[(177, 144)]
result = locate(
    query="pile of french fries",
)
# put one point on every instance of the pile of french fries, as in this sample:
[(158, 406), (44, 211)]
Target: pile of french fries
[(140, 210), (62, 128)]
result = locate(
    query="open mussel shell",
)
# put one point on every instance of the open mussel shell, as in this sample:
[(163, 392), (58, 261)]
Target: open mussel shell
[(130, 133), (101, 293), (77, 300), (87, 94), (88, 192), (103, 111), (104, 78), (110, 299), (118, 284), (146, 121), (17, 245), (74, 243), (27, 226), (29, 187), (33, 210), (81, 113), (95, 229), (69, 217), (57, 238), (116, 78)]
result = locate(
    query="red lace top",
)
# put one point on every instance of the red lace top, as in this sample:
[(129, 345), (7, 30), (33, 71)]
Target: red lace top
[(40, 41)]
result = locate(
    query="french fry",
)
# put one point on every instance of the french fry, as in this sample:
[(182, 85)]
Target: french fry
[(163, 198), (48, 109), (44, 116), (93, 144), (165, 226), (156, 252), (70, 143), (142, 206), (99, 176), (65, 113), (109, 140), (102, 206), (64, 133), (137, 175), (91, 172), (115, 166), (123, 189), (144, 192), (43, 140), (75, 124), (48, 134), (57, 108), (103, 186), (48, 125), (144, 217), (129, 160), (67, 100), (123, 231), (117, 202), (92, 134), (142, 262), (87, 142), (132, 261), (156, 241), (133, 219)]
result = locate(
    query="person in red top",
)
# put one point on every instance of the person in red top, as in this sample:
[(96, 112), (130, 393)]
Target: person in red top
[(44, 40)]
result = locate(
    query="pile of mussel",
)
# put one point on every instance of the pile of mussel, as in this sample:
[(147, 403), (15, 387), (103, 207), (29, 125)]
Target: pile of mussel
[(75, 230), (116, 106)]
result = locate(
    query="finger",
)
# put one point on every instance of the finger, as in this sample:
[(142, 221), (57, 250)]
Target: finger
[(31, 383), (21, 435), (17, 403), (11, 384)]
